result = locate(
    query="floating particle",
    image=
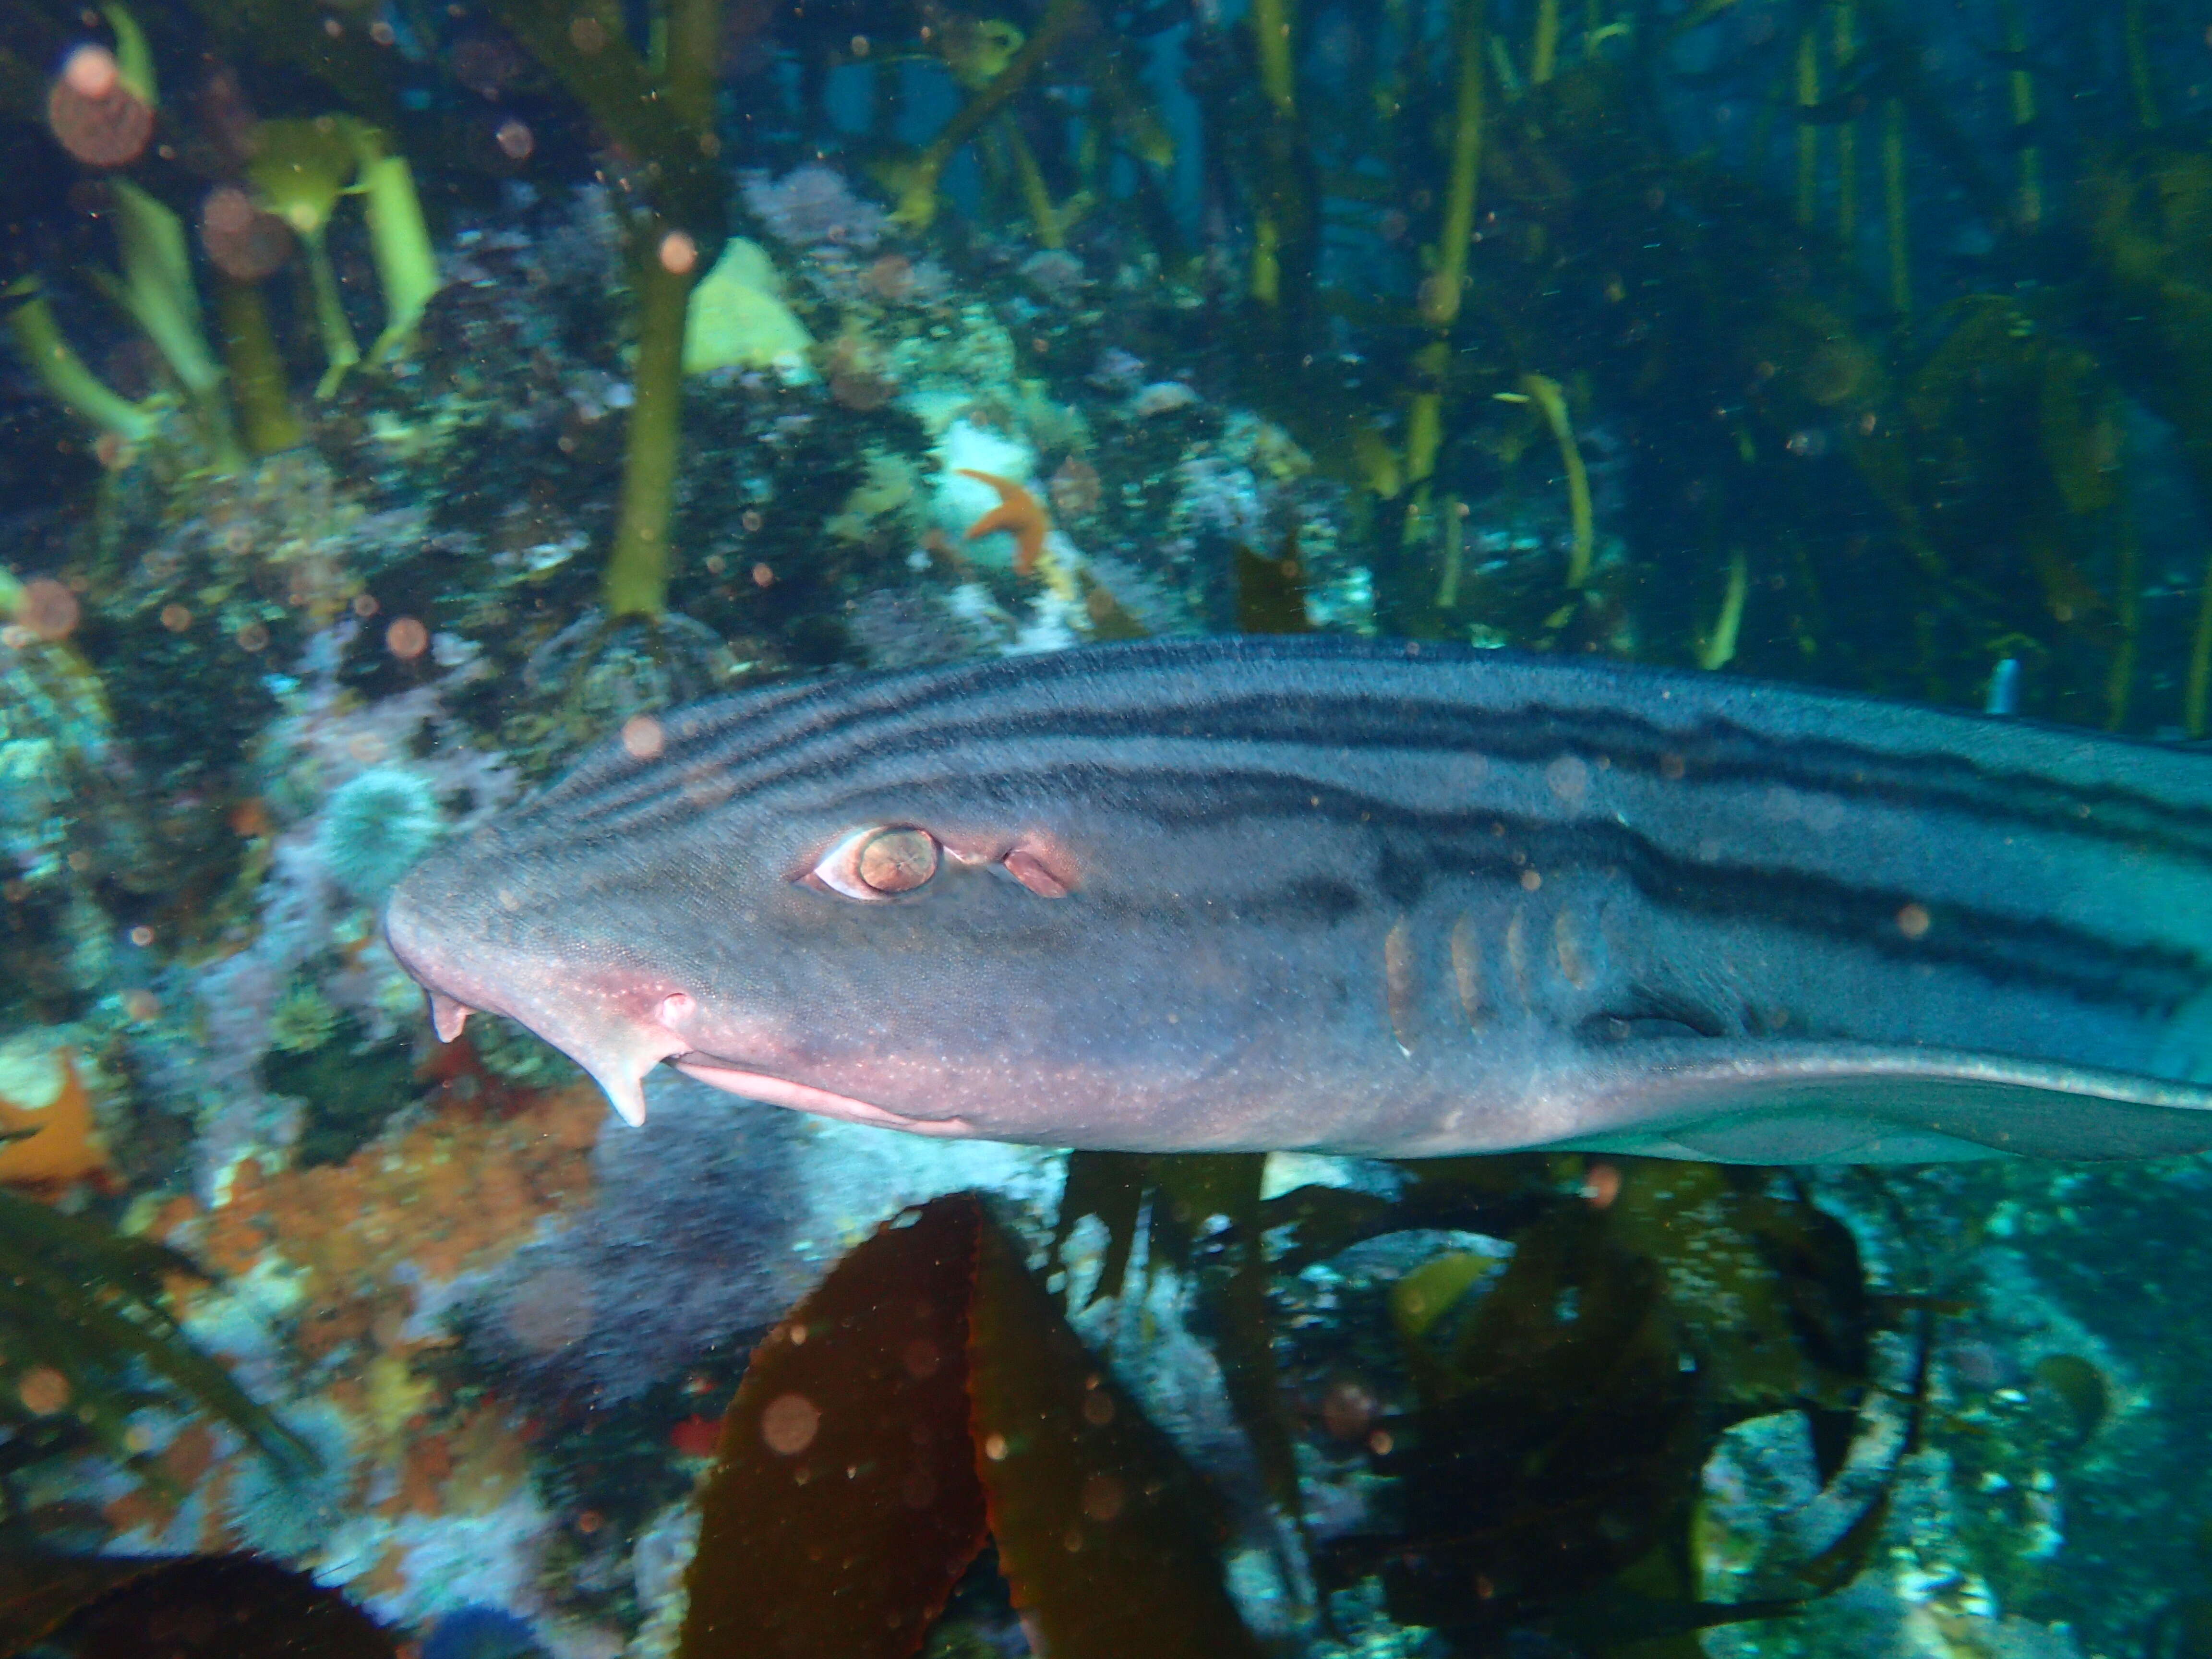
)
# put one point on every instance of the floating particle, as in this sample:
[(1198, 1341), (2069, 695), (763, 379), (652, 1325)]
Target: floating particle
[(1600, 1185), (253, 637), (762, 576), (789, 1424), (43, 1390), (1102, 1498), (1913, 920), (697, 1437), (406, 639), (641, 737), (176, 618), (679, 253), (92, 72), (363, 606), (94, 115), (141, 936), (241, 239), (47, 608), (514, 140), (587, 35), (142, 1006)]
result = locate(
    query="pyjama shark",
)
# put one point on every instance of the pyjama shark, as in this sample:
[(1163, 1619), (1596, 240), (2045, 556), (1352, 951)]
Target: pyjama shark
[(1394, 900)]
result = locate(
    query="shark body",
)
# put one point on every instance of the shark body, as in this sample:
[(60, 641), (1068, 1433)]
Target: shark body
[(1301, 893)]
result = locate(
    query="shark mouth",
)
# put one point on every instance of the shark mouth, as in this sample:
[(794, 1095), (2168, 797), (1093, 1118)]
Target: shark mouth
[(619, 1055), (805, 1098)]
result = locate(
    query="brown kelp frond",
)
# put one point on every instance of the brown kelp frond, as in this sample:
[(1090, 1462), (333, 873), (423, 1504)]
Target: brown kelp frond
[(926, 1394)]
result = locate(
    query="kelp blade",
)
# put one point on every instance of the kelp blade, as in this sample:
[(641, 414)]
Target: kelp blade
[(1106, 1535), (845, 1505)]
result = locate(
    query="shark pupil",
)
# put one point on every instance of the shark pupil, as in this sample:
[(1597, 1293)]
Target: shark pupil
[(898, 860)]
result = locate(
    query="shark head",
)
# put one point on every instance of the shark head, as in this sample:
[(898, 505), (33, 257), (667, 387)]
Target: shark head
[(893, 933)]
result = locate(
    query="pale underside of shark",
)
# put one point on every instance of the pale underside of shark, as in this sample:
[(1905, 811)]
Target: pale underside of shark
[(1277, 894)]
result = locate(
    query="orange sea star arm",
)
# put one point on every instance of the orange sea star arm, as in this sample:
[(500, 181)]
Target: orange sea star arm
[(1019, 512)]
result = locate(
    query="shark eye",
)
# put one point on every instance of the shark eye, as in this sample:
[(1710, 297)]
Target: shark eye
[(877, 863)]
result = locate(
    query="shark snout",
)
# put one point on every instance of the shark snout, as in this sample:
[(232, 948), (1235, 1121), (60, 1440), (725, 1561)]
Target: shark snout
[(616, 1025)]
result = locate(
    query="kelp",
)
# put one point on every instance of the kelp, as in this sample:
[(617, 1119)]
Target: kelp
[(89, 1307), (1549, 1471), (926, 1394), (662, 112), (217, 1606)]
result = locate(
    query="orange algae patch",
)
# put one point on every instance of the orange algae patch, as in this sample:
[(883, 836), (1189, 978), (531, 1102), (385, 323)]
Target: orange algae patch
[(470, 1468), (64, 1144), (460, 1191)]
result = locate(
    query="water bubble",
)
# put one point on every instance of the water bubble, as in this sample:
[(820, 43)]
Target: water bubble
[(550, 1310)]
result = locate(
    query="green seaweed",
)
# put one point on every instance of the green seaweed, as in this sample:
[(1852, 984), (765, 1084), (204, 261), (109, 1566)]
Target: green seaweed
[(91, 1305), (663, 115)]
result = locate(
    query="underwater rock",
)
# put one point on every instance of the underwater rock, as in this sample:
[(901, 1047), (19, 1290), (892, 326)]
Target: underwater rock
[(812, 204)]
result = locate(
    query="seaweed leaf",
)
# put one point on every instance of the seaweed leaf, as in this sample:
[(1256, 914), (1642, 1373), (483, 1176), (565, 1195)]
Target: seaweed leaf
[(217, 1606), (928, 1387), (87, 1301)]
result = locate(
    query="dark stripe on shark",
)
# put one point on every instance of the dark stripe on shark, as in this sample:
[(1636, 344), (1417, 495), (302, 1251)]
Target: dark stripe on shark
[(2002, 949), (1438, 732), (2151, 978)]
